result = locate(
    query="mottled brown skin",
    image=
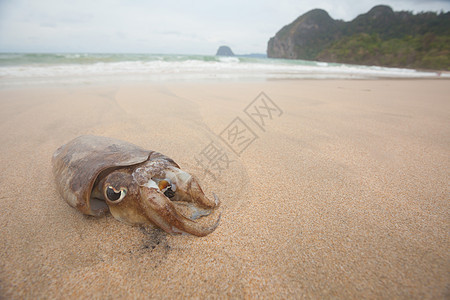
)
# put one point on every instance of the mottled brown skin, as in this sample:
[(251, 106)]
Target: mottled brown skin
[(97, 174)]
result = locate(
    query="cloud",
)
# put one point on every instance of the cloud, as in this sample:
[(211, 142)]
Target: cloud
[(48, 24), (164, 26)]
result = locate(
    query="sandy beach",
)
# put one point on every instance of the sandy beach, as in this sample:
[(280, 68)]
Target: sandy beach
[(341, 190)]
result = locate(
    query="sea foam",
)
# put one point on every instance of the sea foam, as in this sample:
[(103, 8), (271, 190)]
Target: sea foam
[(41, 68)]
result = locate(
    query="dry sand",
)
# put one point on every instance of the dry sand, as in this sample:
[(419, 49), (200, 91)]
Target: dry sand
[(346, 194)]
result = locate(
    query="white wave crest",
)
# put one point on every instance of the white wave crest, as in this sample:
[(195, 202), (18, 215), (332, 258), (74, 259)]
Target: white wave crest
[(161, 68)]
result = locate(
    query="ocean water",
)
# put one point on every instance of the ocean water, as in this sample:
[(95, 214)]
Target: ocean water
[(17, 68)]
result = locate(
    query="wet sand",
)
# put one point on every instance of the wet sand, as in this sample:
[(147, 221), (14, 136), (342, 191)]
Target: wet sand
[(344, 193)]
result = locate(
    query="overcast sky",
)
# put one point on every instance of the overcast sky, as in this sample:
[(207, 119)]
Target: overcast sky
[(166, 26)]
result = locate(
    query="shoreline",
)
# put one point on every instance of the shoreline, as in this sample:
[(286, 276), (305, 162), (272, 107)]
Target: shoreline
[(73, 81), (89, 68)]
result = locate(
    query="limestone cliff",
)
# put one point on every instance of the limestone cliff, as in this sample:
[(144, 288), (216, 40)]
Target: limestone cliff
[(304, 37), (379, 37)]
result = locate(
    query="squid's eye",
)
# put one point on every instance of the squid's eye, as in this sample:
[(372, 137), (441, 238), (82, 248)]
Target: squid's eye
[(114, 195)]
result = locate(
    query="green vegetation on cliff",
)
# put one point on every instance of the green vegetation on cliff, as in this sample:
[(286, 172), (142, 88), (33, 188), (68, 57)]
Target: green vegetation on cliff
[(423, 51), (380, 37)]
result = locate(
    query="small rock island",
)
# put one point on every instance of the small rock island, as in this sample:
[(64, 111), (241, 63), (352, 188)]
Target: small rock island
[(224, 51)]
